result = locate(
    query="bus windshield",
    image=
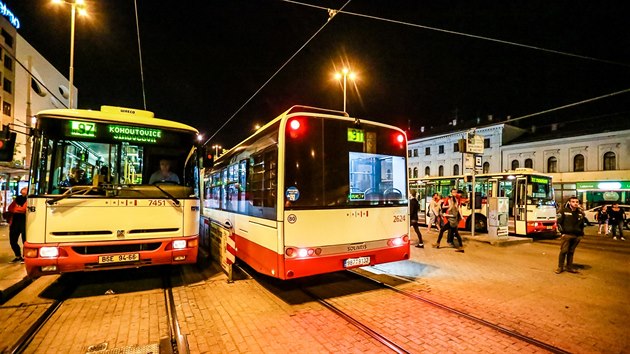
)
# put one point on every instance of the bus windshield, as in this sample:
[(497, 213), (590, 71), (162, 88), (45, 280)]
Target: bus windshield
[(539, 191), (335, 163), (111, 155)]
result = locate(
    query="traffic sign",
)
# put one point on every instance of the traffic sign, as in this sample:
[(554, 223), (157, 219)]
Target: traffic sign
[(477, 161), (474, 143)]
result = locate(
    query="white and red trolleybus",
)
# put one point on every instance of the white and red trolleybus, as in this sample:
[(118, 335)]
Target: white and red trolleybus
[(313, 191), (532, 209), (110, 215)]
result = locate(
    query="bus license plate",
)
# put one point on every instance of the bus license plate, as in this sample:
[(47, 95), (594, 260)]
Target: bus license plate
[(354, 262), (117, 258)]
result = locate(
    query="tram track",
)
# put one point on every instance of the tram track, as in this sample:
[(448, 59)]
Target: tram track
[(533, 341), (384, 336), (176, 342)]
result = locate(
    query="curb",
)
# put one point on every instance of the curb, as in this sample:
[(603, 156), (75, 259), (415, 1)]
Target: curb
[(8, 293)]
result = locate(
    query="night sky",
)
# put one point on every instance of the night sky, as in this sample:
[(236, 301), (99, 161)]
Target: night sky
[(204, 59)]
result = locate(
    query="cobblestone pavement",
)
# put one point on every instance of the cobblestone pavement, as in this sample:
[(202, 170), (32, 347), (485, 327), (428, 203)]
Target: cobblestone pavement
[(513, 286), (516, 287)]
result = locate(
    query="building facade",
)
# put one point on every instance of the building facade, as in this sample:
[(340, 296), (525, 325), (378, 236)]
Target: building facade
[(593, 165), (29, 84)]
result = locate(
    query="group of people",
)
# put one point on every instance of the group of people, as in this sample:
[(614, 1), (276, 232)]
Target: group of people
[(443, 214), (611, 219)]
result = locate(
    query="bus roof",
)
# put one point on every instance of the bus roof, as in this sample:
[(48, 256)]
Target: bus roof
[(118, 115), (308, 111)]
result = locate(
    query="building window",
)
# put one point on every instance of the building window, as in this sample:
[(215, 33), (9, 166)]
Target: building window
[(36, 88), (456, 147), (409, 169), (7, 85), (486, 142), (486, 167), (415, 172), (610, 161), (6, 108), (552, 164), (8, 38), (427, 151), (427, 171), (441, 170), (514, 164), (8, 62), (456, 169), (529, 163), (415, 152), (409, 153), (578, 163), (441, 149)]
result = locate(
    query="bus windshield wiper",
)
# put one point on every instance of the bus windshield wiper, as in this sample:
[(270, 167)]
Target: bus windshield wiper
[(70, 192), (175, 200)]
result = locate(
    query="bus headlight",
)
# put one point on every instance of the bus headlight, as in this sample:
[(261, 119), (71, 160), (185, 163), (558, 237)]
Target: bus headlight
[(179, 244), (49, 252)]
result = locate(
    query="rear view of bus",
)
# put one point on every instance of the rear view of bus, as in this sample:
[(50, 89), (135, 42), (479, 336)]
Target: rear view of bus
[(345, 194), (114, 188)]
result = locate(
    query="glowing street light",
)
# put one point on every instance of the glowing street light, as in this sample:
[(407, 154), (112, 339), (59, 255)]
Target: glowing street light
[(216, 150), (80, 6), (345, 74)]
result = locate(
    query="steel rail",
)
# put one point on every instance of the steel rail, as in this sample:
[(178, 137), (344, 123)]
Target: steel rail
[(549, 347)]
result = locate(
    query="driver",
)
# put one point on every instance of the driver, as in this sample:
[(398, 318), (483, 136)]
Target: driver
[(164, 174)]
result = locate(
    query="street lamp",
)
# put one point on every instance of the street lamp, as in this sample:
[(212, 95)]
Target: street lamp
[(80, 6), (216, 150), (345, 74)]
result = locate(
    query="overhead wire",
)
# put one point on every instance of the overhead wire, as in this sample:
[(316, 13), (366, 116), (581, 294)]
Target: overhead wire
[(378, 18), (331, 15)]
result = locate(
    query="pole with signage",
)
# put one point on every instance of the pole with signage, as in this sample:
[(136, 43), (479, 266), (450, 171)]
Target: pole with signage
[(474, 147)]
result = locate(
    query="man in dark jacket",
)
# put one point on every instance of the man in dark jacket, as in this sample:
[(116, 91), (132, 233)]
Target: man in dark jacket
[(571, 225), (414, 208)]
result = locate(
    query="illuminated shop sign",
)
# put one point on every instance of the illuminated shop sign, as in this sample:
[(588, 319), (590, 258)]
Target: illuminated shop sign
[(356, 196), (4, 10), (82, 129), (356, 135), (607, 185), (138, 134)]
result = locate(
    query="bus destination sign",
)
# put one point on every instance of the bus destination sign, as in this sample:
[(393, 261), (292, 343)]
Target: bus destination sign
[(356, 135), (138, 134), (78, 128)]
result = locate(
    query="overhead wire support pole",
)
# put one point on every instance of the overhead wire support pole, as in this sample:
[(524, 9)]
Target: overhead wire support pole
[(144, 97), (331, 15)]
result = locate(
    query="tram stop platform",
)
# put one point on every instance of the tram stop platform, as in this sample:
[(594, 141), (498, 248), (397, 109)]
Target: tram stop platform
[(13, 276), (495, 241)]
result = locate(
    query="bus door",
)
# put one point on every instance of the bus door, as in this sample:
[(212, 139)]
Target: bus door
[(520, 206)]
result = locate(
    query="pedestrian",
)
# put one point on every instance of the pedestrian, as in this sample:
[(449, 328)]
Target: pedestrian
[(434, 212), (414, 208), (602, 220), (17, 210), (616, 219), (571, 225), (453, 217)]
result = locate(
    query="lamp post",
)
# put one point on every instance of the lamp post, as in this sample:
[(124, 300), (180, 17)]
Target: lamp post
[(216, 150), (345, 73), (74, 6)]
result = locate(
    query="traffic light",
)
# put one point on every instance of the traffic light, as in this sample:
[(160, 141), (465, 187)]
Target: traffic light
[(208, 156), (7, 144)]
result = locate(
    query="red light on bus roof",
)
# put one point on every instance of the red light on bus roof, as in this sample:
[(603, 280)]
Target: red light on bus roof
[(294, 124), (400, 138)]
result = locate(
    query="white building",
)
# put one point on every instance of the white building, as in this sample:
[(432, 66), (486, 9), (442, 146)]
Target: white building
[(22, 97), (590, 161)]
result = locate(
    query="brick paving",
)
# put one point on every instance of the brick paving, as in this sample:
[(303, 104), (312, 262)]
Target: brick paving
[(513, 286)]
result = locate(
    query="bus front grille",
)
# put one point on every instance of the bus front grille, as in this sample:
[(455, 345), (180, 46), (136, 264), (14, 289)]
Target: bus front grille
[(134, 247)]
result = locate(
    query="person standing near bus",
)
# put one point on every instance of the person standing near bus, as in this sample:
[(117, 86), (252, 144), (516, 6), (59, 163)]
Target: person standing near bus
[(571, 225), (602, 220), (414, 208), (434, 212), (617, 216), (17, 210), (453, 216)]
